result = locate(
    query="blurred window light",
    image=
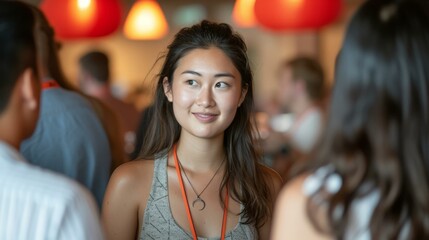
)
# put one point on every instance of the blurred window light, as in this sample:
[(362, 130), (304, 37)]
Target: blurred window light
[(189, 14)]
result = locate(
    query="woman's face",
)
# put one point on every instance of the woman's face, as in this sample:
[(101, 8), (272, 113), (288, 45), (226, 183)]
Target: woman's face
[(206, 92)]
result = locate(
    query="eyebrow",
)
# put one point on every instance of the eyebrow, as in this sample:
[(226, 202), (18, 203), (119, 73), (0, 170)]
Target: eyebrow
[(216, 75)]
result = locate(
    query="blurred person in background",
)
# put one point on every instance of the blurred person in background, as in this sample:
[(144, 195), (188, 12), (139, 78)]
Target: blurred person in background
[(34, 203), (370, 177), (301, 92), (95, 80), (70, 138)]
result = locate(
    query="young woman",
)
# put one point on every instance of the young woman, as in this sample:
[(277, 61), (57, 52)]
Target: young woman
[(204, 180), (371, 177)]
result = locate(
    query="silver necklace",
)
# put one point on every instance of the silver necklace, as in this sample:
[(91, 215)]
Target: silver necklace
[(199, 199)]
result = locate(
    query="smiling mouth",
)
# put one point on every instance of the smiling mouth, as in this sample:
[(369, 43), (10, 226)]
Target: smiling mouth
[(205, 117)]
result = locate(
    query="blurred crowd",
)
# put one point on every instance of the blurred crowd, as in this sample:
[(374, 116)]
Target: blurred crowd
[(347, 160)]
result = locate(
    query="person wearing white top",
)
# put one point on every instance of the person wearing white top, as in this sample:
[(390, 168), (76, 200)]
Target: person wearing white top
[(306, 129), (369, 178), (301, 91), (37, 204), (34, 203)]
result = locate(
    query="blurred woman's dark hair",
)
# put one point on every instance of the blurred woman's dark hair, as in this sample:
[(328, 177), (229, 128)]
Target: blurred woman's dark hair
[(49, 66), (377, 136), (48, 46)]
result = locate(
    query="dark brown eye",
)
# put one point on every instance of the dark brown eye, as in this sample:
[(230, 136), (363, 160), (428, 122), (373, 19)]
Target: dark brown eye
[(221, 85), (191, 82)]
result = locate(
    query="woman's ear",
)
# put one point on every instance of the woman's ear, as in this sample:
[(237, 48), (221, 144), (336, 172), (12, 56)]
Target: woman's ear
[(243, 94), (167, 89)]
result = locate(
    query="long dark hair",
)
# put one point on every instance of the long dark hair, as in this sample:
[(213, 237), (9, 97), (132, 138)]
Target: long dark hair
[(242, 157), (48, 50), (377, 135)]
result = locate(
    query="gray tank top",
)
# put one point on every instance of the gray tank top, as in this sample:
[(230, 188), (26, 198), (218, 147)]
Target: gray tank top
[(158, 222)]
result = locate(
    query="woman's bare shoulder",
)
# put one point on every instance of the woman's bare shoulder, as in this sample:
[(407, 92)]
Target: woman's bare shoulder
[(126, 194), (132, 174)]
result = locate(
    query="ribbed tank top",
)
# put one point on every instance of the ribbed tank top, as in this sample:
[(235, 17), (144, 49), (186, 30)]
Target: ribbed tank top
[(158, 221)]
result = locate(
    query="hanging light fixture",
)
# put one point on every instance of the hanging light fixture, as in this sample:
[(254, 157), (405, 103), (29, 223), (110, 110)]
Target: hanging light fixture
[(280, 15), (75, 19), (146, 21), (243, 14)]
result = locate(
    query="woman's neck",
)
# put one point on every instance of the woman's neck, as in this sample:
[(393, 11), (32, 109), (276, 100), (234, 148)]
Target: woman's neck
[(198, 154)]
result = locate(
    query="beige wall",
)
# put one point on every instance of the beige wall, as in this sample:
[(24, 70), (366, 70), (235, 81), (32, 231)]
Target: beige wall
[(132, 61)]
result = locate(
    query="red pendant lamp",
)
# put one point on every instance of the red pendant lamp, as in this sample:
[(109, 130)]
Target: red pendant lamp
[(76, 19), (281, 15)]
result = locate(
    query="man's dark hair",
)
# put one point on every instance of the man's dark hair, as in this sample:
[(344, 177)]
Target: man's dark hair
[(96, 63), (311, 72), (17, 46)]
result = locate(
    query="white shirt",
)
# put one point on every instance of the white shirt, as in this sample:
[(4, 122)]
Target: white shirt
[(361, 209), (306, 130), (36, 204)]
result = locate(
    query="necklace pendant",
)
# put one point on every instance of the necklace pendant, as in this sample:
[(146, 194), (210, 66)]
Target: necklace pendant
[(199, 201)]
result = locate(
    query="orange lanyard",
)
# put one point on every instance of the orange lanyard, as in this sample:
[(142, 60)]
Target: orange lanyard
[(49, 84), (185, 200)]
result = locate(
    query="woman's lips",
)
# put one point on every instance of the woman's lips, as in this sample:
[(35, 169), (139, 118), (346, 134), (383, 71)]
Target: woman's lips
[(205, 117)]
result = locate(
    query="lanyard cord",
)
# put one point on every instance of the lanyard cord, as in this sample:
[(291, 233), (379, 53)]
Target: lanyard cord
[(50, 84), (185, 200), (225, 215)]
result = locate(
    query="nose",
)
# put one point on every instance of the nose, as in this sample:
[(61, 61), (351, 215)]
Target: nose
[(205, 98)]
